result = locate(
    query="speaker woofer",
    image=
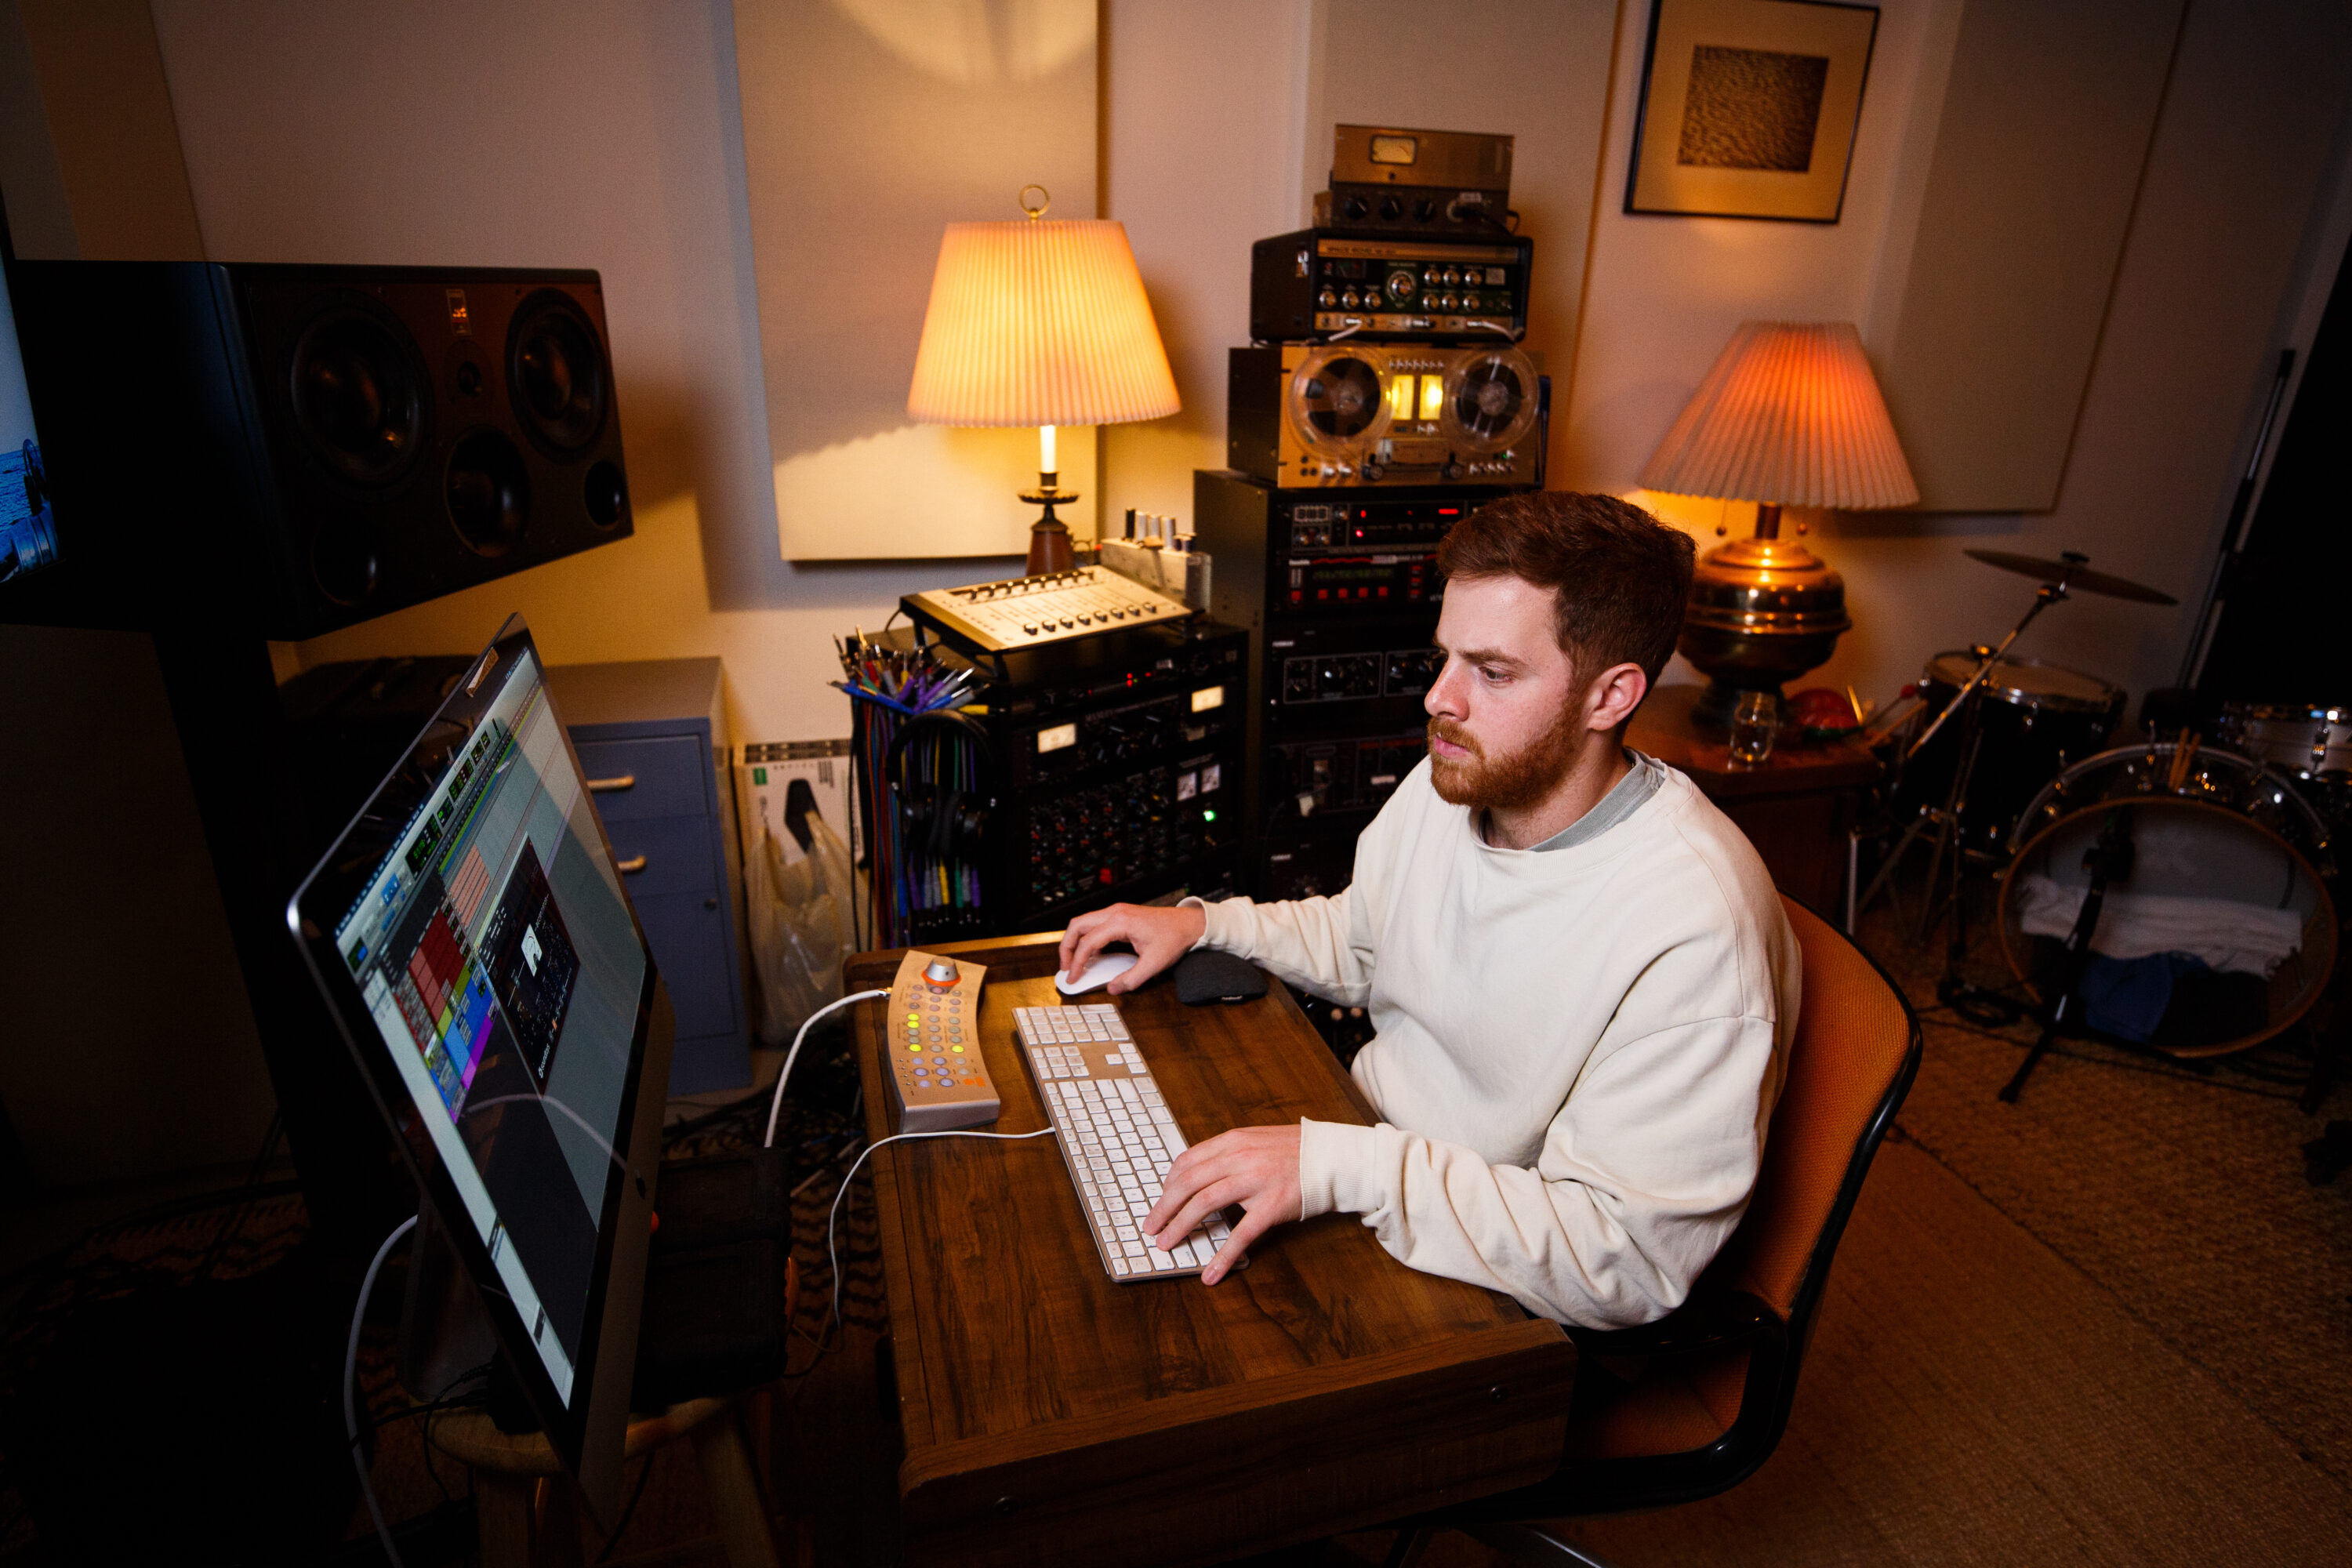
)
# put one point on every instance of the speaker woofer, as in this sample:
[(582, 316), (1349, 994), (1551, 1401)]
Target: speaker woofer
[(343, 560), (488, 493), (606, 495), (358, 387), (555, 373)]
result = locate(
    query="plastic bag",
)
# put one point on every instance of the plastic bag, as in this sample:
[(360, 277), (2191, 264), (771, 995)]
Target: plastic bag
[(798, 920)]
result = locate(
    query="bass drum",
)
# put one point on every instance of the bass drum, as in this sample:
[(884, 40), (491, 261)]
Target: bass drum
[(2228, 863), (2037, 717)]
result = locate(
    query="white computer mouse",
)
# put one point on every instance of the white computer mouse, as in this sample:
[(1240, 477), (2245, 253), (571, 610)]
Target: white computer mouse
[(1106, 968)]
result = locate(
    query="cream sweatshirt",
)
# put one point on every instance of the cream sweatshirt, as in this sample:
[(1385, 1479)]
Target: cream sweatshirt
[(1577, 1051)]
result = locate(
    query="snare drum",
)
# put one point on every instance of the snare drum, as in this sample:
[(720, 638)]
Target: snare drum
[(2036, 717), (2230, 831), (2309, 744)]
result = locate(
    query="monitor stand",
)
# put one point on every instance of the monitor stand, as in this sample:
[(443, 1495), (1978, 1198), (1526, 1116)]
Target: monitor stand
[(714, 1319)]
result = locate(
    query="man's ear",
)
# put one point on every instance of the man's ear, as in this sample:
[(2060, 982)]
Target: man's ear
[(1612, 699)]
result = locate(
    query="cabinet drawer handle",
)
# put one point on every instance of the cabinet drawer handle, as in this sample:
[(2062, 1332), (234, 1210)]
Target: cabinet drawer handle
[(630, 867), (620, 781)]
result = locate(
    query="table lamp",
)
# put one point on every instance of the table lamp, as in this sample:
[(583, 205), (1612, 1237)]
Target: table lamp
[(1043, 324), (1789, 415)]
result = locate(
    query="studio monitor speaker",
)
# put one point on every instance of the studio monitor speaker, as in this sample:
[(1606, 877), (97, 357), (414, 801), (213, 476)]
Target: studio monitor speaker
[(291, 449)]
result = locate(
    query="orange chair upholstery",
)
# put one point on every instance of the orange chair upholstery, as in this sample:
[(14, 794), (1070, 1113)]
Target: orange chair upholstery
[(1690, 1405)]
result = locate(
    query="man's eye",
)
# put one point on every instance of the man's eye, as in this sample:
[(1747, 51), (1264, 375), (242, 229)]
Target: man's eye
[(1492, 676)]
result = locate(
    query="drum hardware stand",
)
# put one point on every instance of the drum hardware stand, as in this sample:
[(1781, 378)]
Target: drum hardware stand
[(1942, 823), (2108, 860)]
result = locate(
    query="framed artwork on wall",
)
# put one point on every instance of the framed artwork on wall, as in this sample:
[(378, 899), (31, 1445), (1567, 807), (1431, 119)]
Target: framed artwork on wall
[(1749, 108)]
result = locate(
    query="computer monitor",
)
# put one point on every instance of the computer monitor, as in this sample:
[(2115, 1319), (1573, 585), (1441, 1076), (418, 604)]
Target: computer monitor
[(28, 535), (471, 935)]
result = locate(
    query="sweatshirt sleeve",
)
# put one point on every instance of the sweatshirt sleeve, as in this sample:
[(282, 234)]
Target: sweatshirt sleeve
[(1642, 1176), (1321, 944)]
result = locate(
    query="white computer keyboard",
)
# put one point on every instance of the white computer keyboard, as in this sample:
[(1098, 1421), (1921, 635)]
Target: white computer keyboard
[(1117, 1135)]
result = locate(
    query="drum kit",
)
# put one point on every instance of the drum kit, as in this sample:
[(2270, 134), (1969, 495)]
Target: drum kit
[(2211, 865)]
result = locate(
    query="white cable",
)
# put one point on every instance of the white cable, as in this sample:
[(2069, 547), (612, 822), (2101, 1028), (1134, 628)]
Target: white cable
[(831, 1257), (777, 1104), (351, 1370), (474, 1106)]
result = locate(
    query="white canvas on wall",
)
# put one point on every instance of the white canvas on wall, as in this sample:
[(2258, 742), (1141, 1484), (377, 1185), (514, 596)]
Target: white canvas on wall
[(869, 125)]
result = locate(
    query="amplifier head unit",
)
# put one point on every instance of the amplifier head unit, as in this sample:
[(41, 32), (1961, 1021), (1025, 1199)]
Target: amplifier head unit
[(1394, 179)]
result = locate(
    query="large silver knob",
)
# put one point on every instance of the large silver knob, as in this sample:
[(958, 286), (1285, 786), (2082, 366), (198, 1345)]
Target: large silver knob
[(941, 973)]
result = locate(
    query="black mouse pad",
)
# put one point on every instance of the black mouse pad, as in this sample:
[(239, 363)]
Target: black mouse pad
[(1207, 975)]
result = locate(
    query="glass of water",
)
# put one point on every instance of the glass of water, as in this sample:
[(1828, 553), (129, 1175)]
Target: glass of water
[(1755, 720)]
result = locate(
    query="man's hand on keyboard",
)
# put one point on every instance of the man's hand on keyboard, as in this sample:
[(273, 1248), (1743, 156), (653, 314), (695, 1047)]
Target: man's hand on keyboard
[(1159, 937), (1256, 1167)]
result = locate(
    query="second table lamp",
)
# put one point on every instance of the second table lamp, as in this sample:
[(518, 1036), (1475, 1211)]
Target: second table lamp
[(1789, 416)]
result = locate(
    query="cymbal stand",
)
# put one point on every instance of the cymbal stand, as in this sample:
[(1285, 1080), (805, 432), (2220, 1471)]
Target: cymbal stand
[(1940, 825)]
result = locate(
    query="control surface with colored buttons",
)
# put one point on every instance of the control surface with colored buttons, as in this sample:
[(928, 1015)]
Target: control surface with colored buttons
[(936, 1077)]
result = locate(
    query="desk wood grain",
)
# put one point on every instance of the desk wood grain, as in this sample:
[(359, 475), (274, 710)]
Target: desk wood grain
[(1052, 1415)]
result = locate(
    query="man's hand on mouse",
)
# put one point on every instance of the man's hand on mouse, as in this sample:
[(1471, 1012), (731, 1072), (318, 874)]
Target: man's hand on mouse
[(1256, 1167), (1159, 937)]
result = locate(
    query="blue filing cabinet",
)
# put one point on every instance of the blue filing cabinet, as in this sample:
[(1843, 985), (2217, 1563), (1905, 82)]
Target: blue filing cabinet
[(653, 742)]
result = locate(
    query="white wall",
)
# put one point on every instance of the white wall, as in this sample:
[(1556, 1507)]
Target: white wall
[(604, 134), (1202, 116)]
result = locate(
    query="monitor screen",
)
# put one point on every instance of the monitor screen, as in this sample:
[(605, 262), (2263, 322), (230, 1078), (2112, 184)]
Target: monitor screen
[(471, 929), (28, 539)]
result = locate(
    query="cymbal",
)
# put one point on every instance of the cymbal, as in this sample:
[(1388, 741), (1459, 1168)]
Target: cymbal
[(2077, 579)]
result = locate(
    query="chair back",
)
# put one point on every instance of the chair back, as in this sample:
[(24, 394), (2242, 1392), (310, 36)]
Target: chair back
[(1856, 1048)]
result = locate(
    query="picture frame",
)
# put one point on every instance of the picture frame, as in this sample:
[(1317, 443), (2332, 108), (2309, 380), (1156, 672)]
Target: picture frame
[(1749, 108)]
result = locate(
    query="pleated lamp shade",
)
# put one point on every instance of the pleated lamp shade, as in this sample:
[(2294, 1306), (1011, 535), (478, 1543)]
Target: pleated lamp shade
[(1039, 321), (1789, 415)]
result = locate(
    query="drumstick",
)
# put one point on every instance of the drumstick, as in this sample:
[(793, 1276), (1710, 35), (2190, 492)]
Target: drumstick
[(2184, 753)]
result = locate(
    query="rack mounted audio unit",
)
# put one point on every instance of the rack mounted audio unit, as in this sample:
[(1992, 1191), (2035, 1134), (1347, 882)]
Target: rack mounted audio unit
[(1321, 283)]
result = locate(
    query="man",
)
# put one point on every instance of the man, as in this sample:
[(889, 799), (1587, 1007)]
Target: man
[(1582, 979)]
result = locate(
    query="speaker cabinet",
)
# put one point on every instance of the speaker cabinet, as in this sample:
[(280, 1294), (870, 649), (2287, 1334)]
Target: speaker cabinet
[(291, 449)]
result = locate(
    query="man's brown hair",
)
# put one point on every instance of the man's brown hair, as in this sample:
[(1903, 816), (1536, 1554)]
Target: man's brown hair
[(1619, 577)]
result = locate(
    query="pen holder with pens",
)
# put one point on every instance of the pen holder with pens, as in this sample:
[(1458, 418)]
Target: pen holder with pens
[(926, 784)]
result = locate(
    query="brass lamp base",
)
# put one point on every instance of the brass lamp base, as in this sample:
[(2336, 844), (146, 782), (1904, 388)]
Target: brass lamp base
[(1762, 611), (1049, 537)]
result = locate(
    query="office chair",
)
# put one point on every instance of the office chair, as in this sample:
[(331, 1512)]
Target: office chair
[(1690, 1406)]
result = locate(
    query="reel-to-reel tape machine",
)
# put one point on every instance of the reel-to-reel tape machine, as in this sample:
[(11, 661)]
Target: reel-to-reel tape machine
[(1355, 414)]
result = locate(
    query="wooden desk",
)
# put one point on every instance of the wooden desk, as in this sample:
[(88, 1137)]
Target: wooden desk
[(1051, 1415), (1795, 806)]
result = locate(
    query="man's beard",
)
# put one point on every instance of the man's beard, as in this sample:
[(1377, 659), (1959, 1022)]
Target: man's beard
[(1506, 782)]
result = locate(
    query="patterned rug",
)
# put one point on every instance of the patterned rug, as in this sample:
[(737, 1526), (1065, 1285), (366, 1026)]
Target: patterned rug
[(2179, 1187)]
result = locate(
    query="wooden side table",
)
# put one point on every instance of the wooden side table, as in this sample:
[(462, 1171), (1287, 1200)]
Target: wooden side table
[(1796, 807), (525, 1509)]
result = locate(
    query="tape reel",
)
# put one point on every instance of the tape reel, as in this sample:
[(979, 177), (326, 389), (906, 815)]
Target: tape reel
[(1337, 403), (1490, 400)]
